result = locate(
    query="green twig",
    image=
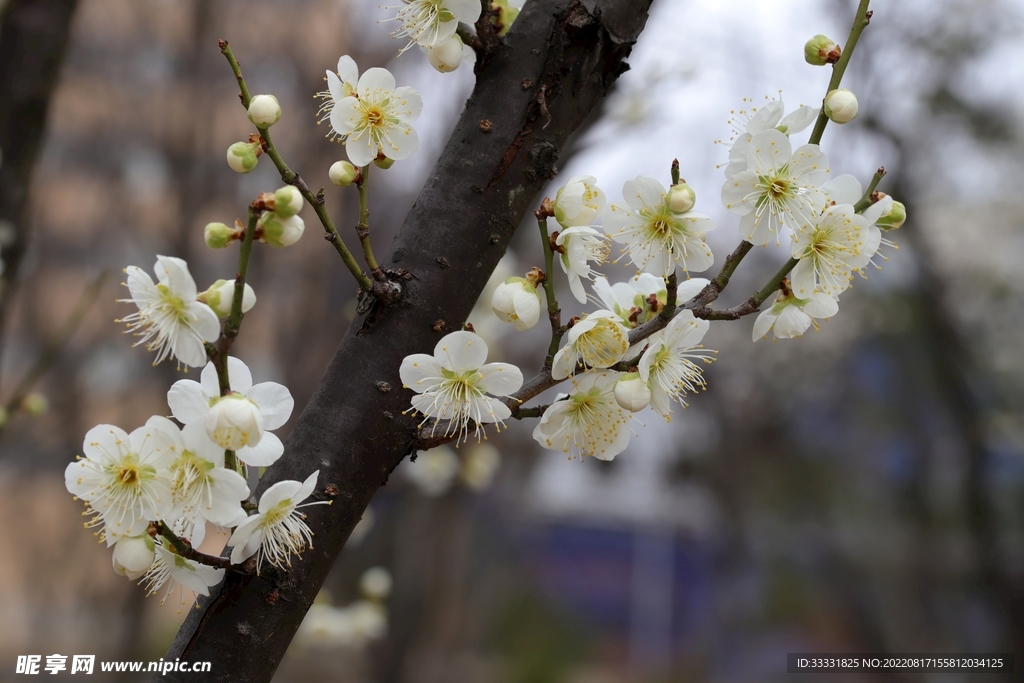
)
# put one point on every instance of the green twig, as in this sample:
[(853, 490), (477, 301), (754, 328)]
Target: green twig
[(185, 549), (554, 313), (363, 227), (860, 22), (865, 201)]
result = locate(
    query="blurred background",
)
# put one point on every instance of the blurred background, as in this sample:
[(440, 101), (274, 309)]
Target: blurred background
[(856, 490)]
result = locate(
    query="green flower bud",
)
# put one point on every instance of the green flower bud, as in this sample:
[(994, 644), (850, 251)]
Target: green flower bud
[(287, 201), (35, 404), (821, 50), (242, 156), (343, 173), (279, 231), (681, 198), (264, 111), (218, 235), (840, 105), (895, 218), (384, 163), (505, 15), (221, 294)]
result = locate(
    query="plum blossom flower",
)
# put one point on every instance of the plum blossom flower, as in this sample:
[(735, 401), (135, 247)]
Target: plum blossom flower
[(748, 123), (588, 422), (641, 298), (668, 365), (829, 250), (846, 189), (578, 202), (123, 478), (791, 316), (779, 188), (599, 340), (340, 84), (431, 22), (133, 555), (278, 530), (239, 421), (580, 245), (453, 384), (170, 320), (517, 301), (187, 573), (656, 237), (375, 119)]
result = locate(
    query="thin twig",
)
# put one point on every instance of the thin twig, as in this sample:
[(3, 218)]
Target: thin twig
[(185, 549), (363, 227), (554, 312), (866, 200)]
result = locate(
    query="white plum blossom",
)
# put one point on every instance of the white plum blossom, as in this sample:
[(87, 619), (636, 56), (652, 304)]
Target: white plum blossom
[(657, 238), (170, 320), (599, 340), (779, 188), (829, 250), (840, 105), (632, 392), (749, 123), (240, 421), (579, 245), (641, 298), (846, 189), (434, 470), (668, 365), (517, 301), (453, 384), (133, 555), (278, 530), (124, 478), (187, 573), (430, 22), (375, 118), (791, 316), (479, 466), (578, 202), (339, 86), (449, 54), (588, 422)]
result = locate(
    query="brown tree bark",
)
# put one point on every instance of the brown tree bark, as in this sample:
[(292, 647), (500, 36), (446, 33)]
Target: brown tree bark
[(533, 90)]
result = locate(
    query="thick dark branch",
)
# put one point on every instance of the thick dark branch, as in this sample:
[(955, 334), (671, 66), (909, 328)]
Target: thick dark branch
[(537, 87)]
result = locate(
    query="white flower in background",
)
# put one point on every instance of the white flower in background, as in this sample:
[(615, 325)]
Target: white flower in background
[(134, 555), (656, 237), (579, 245), (779, 188), (240, 421), (791, 316), (278, 530), (479, 466), (578, 202), (517, 301), (187, 573), (588, 422), (326, 626), (170, 320), (221, 295), (748, 123), (376, 118), (339, 86), (632, 392), (668, 365), (124, 478), (829, 250), (599, 340), (369, 620), (375, 583), (434, 470), (430, 22), (453, 384)]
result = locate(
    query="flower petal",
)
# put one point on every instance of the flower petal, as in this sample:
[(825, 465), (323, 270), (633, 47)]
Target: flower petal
[(374, 82), (500, 379), (274, 401), (419, 372), (769, 151), (799, 119), (643, 192), (188, 402), (278, 493), (238, 375), (264, 453), (461, 351)]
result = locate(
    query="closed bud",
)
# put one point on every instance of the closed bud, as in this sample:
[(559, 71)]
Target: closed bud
[(383, 162), (134, 555), (447, 55), (821, 50), (840, 105), (505, 14), (517, 301), (221, 295), (242, 156), (218, 235), (632, 393), (287, 201), (894, 219), (233, 421), (343, 173), (578, 202), (35, 404), (279, 232), (681, 198), (264, 111)]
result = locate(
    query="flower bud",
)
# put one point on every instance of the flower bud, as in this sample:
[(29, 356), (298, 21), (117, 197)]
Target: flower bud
[(242, 156), (375, 583), (516, 301), (287, 201), (894, 219), (681, 198), (505, 14), (218, 235), (384, 163), (221, 295), (821, 50), (632, 393), (279, 232), (134, 555), (264, 111), (35, 404), (578, 202), (233, 422), (343, 173), (447, 55), (840, 105)]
